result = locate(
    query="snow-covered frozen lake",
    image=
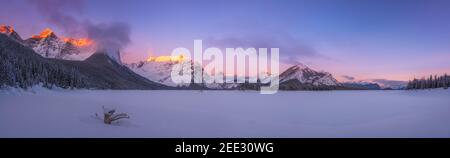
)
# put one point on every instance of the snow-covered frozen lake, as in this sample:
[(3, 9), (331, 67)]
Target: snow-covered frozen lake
[(63, 113)]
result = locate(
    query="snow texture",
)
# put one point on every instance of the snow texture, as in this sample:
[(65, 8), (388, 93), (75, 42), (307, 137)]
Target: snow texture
[(160, 72), (55, 47), (39, 112)]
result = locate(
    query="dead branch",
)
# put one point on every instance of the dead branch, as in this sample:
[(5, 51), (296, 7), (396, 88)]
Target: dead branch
[(109, 116)]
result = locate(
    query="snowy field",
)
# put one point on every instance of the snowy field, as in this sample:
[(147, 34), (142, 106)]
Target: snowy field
[(64, 113)]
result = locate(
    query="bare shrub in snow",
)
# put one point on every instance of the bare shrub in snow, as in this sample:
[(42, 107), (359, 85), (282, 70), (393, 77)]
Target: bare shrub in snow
[(109, 115)]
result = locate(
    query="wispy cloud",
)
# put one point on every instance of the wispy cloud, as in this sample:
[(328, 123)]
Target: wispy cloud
[(60, 13), (291, 50), (64, 14), (349, 78)]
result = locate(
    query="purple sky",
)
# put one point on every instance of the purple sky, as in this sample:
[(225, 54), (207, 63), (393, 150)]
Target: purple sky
[(362, 39)]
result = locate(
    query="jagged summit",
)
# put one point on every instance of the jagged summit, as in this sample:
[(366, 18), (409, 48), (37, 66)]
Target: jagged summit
[(49, 45), (302, 74), (7, 30), (10, 32), (47, 33), (299, 66)]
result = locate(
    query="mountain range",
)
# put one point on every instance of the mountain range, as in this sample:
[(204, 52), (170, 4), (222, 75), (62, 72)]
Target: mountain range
[(22, 67), (49, 45), (362, 85), (52, 60)]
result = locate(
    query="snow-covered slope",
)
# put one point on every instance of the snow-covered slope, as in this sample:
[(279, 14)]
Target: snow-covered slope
[(160, 72), (305, 75), (156, 71), (49, 45)]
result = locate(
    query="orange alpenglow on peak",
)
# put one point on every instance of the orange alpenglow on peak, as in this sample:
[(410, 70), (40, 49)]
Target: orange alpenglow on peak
[(79, 42), (82, 42), (6, 29), (44, 34), (179, 58)]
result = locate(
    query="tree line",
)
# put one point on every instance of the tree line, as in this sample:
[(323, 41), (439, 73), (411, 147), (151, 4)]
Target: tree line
[(21, 67), (435, 81)]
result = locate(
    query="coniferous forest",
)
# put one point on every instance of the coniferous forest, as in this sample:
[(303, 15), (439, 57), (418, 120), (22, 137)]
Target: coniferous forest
[(435, 81)]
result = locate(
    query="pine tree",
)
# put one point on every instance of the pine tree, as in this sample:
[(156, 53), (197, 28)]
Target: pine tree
[(446, 81), (431, 82)]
